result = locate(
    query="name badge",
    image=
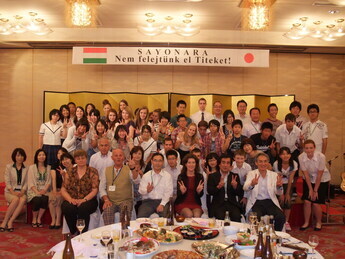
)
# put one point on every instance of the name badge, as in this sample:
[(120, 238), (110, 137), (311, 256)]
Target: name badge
[(112, 188)]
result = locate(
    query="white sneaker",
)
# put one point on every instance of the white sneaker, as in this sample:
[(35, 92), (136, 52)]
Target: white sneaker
[(287, 226)]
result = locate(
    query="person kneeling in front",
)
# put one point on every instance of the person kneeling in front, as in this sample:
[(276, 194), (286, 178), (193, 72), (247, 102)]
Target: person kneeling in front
[(264, 186), (156, 188), (116, 187)]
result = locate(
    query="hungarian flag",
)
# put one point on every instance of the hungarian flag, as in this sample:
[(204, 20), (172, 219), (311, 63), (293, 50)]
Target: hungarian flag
[(94, 55)]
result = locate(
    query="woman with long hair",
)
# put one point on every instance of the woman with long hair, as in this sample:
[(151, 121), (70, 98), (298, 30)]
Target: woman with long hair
[(188, 140), (65, 120), (142, 118), (88, 108), (100, 130), (39, 182), (79, 113), (211, 166), (287, 167), (16, 187), (228, 118), (112, 123), (190, 188), (164, 129), (122, 141), (122, 105), (127, 121)]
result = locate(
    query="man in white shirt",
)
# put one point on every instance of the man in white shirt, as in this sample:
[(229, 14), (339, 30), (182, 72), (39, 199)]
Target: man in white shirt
[(218, 112), (102, 158), (289, 135), (315, 129), (168, 145), (296, 108), (173, 168), (254, 126), (115, 187), (77, 137), (264, 186), (156, 189), (242, 108), (202, 114)]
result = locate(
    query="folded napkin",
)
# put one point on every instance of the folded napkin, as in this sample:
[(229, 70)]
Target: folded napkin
[(201, 221), (80, 249)]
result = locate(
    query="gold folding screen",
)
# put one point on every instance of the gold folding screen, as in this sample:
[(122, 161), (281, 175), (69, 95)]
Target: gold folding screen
[(166, 101)]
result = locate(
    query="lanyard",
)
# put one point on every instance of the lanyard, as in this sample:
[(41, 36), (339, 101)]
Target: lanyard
[(254, 127), (152, 179), (114, 178)]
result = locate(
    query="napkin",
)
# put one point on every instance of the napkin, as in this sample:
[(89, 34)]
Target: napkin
[(80, 249), (201, 221)]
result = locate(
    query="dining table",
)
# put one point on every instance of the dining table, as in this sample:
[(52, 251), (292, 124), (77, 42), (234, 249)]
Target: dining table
[(88, 245)]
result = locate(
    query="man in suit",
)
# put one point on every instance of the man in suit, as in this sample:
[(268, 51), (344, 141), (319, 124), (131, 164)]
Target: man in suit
[(226, 189), (264, 186)]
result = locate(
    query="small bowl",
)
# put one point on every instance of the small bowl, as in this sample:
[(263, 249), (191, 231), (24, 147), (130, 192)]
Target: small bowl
[(243, 237), (180, 218), (230, 230)]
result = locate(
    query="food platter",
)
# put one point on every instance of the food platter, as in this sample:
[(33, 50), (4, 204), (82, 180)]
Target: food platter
[(177, 254), (162, 235), (240, 245), (196, 233), (214, 249), (141, 246)]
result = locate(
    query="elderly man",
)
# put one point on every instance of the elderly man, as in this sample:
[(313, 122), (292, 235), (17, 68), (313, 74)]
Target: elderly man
[(264, 186), (156, 189), (102, 159), (116, 187)]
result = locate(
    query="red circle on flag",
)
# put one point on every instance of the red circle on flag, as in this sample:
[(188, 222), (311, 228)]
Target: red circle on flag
[(249, 57)]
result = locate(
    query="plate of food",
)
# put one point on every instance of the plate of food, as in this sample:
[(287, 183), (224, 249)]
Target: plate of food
[(141, 246), (177, 254), (196, 233), (162, 235), (214, 249), (243, 240)]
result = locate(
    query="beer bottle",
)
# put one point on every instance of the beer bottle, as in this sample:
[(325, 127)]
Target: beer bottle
[(68, 252), (259, 246), (267, 252), (227, 219), (170, 216)]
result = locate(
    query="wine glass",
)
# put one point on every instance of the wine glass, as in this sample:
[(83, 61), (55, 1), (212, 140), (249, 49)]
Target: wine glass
[(106, 236), (252, 216), (313, 241), (80, 226)]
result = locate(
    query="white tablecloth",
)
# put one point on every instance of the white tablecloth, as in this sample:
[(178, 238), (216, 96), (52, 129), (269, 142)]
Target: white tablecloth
[(91, 246)]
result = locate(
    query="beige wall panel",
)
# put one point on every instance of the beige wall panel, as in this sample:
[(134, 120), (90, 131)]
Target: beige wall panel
[(261, 80), (15, 104), (225, 80), (155, 79), (294, 77), (190, 80), (327, 78), (120, 78), (84, 77)]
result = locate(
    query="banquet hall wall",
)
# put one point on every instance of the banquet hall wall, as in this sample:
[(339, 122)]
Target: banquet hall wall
[(26, 73)]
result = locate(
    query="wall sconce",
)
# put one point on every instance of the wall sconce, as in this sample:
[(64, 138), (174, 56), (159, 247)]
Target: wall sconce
[(81, 13), (22, 24), (329, 32), (152, 28)]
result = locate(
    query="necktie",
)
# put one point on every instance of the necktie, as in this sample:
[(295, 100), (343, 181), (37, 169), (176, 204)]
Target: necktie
[(202, 116)]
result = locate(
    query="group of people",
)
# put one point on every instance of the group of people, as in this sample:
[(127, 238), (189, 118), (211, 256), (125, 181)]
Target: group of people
[(208, 164)]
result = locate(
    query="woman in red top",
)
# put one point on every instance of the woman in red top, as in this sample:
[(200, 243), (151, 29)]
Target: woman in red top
[(190, 188)]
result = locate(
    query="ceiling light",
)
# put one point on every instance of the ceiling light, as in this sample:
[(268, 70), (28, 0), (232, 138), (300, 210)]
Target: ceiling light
[(82, 13), (256, 14)]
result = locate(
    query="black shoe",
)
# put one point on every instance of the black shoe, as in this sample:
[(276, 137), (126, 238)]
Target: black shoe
[(51, 226), (2, 229), (39, 225), (303, 228), (57, 227), (10, 229), (317, 229)]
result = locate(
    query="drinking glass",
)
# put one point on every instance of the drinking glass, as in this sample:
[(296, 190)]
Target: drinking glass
[(160, 222), (116, 235), (80, 226), (253, 218), (313, 241), (106, 236), (212, 222), (111, 251)]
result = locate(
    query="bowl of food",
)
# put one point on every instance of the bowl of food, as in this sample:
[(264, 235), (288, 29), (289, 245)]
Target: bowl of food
[(243, 236), (180, 218), (230, 230)]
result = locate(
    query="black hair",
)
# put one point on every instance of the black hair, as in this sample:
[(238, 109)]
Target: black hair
[(171, 152), (103, 123), (168, 139), (181, 116), (146, 127), (280, 161), (83, 122), (157, 154), (19, 151), (181, 102), (295, 104), (209, 157), (136, 149), (71, 103), (290, 117), (92, 105), (118, 128), (195, 150), (214, 122), (96, 113), (237, 122), (203, 124), (254, 108), (224, 156), (242, 101), (266, 125), (248, 141), (226, 114), (53, 112), (313, 106), (166, 115), (66, 155), (64, 106), (271, 105), (36, 157)]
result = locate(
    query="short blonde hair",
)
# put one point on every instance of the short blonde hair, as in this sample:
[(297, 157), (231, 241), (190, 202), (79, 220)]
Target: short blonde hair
[(79, 152)]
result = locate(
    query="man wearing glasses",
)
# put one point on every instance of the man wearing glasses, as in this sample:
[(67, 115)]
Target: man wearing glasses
[(156, 189)]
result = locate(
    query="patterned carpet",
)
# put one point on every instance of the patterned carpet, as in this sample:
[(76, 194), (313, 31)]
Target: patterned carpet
[(28, 242)]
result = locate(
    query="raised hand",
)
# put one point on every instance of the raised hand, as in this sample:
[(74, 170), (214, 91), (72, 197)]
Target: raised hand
[(149, 187), (234, 181), (84, 135), (222, 136), (221, 183), (183, 188), (301, 136), (131, 163), (200, 187), (255, 180), (273, 145), (279, 180)]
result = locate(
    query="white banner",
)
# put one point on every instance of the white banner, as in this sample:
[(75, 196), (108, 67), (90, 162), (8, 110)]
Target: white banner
[(170, 56)]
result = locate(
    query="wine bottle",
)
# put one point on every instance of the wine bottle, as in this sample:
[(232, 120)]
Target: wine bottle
[(123, 215), (68, 252), (170, 216), (259, 246), (227, 219), (267, 252)]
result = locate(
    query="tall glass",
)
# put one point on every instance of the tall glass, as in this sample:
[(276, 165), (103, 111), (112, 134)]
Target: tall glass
[(80, 226), (313, 241), (106, 237), (253, 219)]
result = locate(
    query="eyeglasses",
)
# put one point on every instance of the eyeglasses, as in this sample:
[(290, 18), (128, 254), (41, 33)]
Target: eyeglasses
[(155, 160)]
